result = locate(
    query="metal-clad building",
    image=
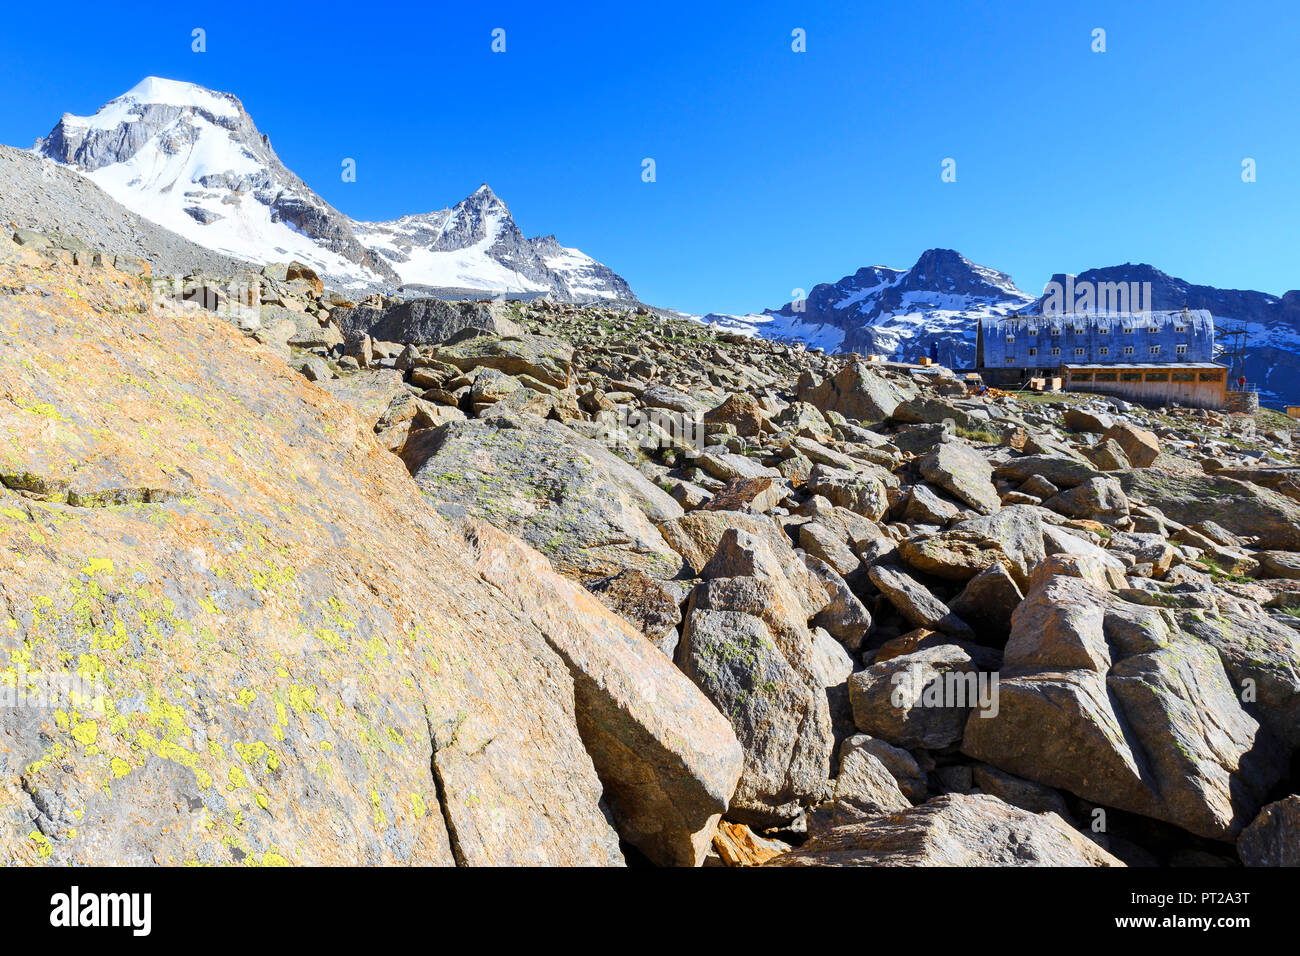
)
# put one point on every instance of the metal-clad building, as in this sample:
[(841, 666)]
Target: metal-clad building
[(1079, 338)]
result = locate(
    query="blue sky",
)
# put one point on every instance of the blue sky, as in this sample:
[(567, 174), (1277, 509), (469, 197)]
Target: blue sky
[(775, 170)]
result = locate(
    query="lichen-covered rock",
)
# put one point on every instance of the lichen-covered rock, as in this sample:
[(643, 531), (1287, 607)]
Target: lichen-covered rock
[(747, 645), (1239, 506), (288, 661), (586, 509)]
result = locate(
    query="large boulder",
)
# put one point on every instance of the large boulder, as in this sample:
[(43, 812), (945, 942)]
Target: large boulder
[(696, 535), (1061, 471), (1097, 499), (963, 472), (780, 717), (952, 830), (426, 321), (1278, 564), (746, 644), (667, 759), (741, 410), (924, 410), (570, 497), (1141, 447), (865, 783), (1080, 419), (1260, 655), (860, 492), (1011, 538), (922, 699), (1273, 839), (369, 391), (548, 360), (288, 656), (856, 392), (1110, 700), (1241, 507)]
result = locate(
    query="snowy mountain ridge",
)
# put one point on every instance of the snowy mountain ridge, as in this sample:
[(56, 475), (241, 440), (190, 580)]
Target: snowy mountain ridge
[(192, 160)]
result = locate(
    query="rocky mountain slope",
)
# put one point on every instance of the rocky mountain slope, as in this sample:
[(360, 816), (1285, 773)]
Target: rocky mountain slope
[(192, 161), (40, 195), (405, 581)]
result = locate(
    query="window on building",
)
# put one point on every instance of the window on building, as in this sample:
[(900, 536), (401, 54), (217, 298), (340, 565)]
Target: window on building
[(1155, 350), (1211, 376), (1081, 377), (1128, 330), (1104, 350), (1180, 349), (1130, 376), (1184, 376), (1010, 360), (1128, 350), (1078, 330), (1056, 351), (1157, 376), (1033, 351), (1056, 331), (1011, 339), (1107, 376), (1078, 351), (1104, 330), (1180, 328)]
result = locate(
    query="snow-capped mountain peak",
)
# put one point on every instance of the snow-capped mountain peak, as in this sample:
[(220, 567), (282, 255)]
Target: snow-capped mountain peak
[(192, 160), (895, 312)]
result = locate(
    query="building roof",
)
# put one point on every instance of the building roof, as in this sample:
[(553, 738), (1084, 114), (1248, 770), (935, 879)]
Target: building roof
[(1153, 366), (1197, 319)]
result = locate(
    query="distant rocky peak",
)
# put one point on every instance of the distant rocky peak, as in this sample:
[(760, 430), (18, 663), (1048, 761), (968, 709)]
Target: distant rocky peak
[(948, 271)]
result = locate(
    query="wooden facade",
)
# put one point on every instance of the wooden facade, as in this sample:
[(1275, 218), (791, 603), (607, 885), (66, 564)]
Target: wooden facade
[(1190, 384)]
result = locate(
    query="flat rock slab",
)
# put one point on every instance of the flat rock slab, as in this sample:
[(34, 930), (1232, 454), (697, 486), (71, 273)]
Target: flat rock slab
[(570, 497), (297, 663), (953, 830), (668, 759)]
